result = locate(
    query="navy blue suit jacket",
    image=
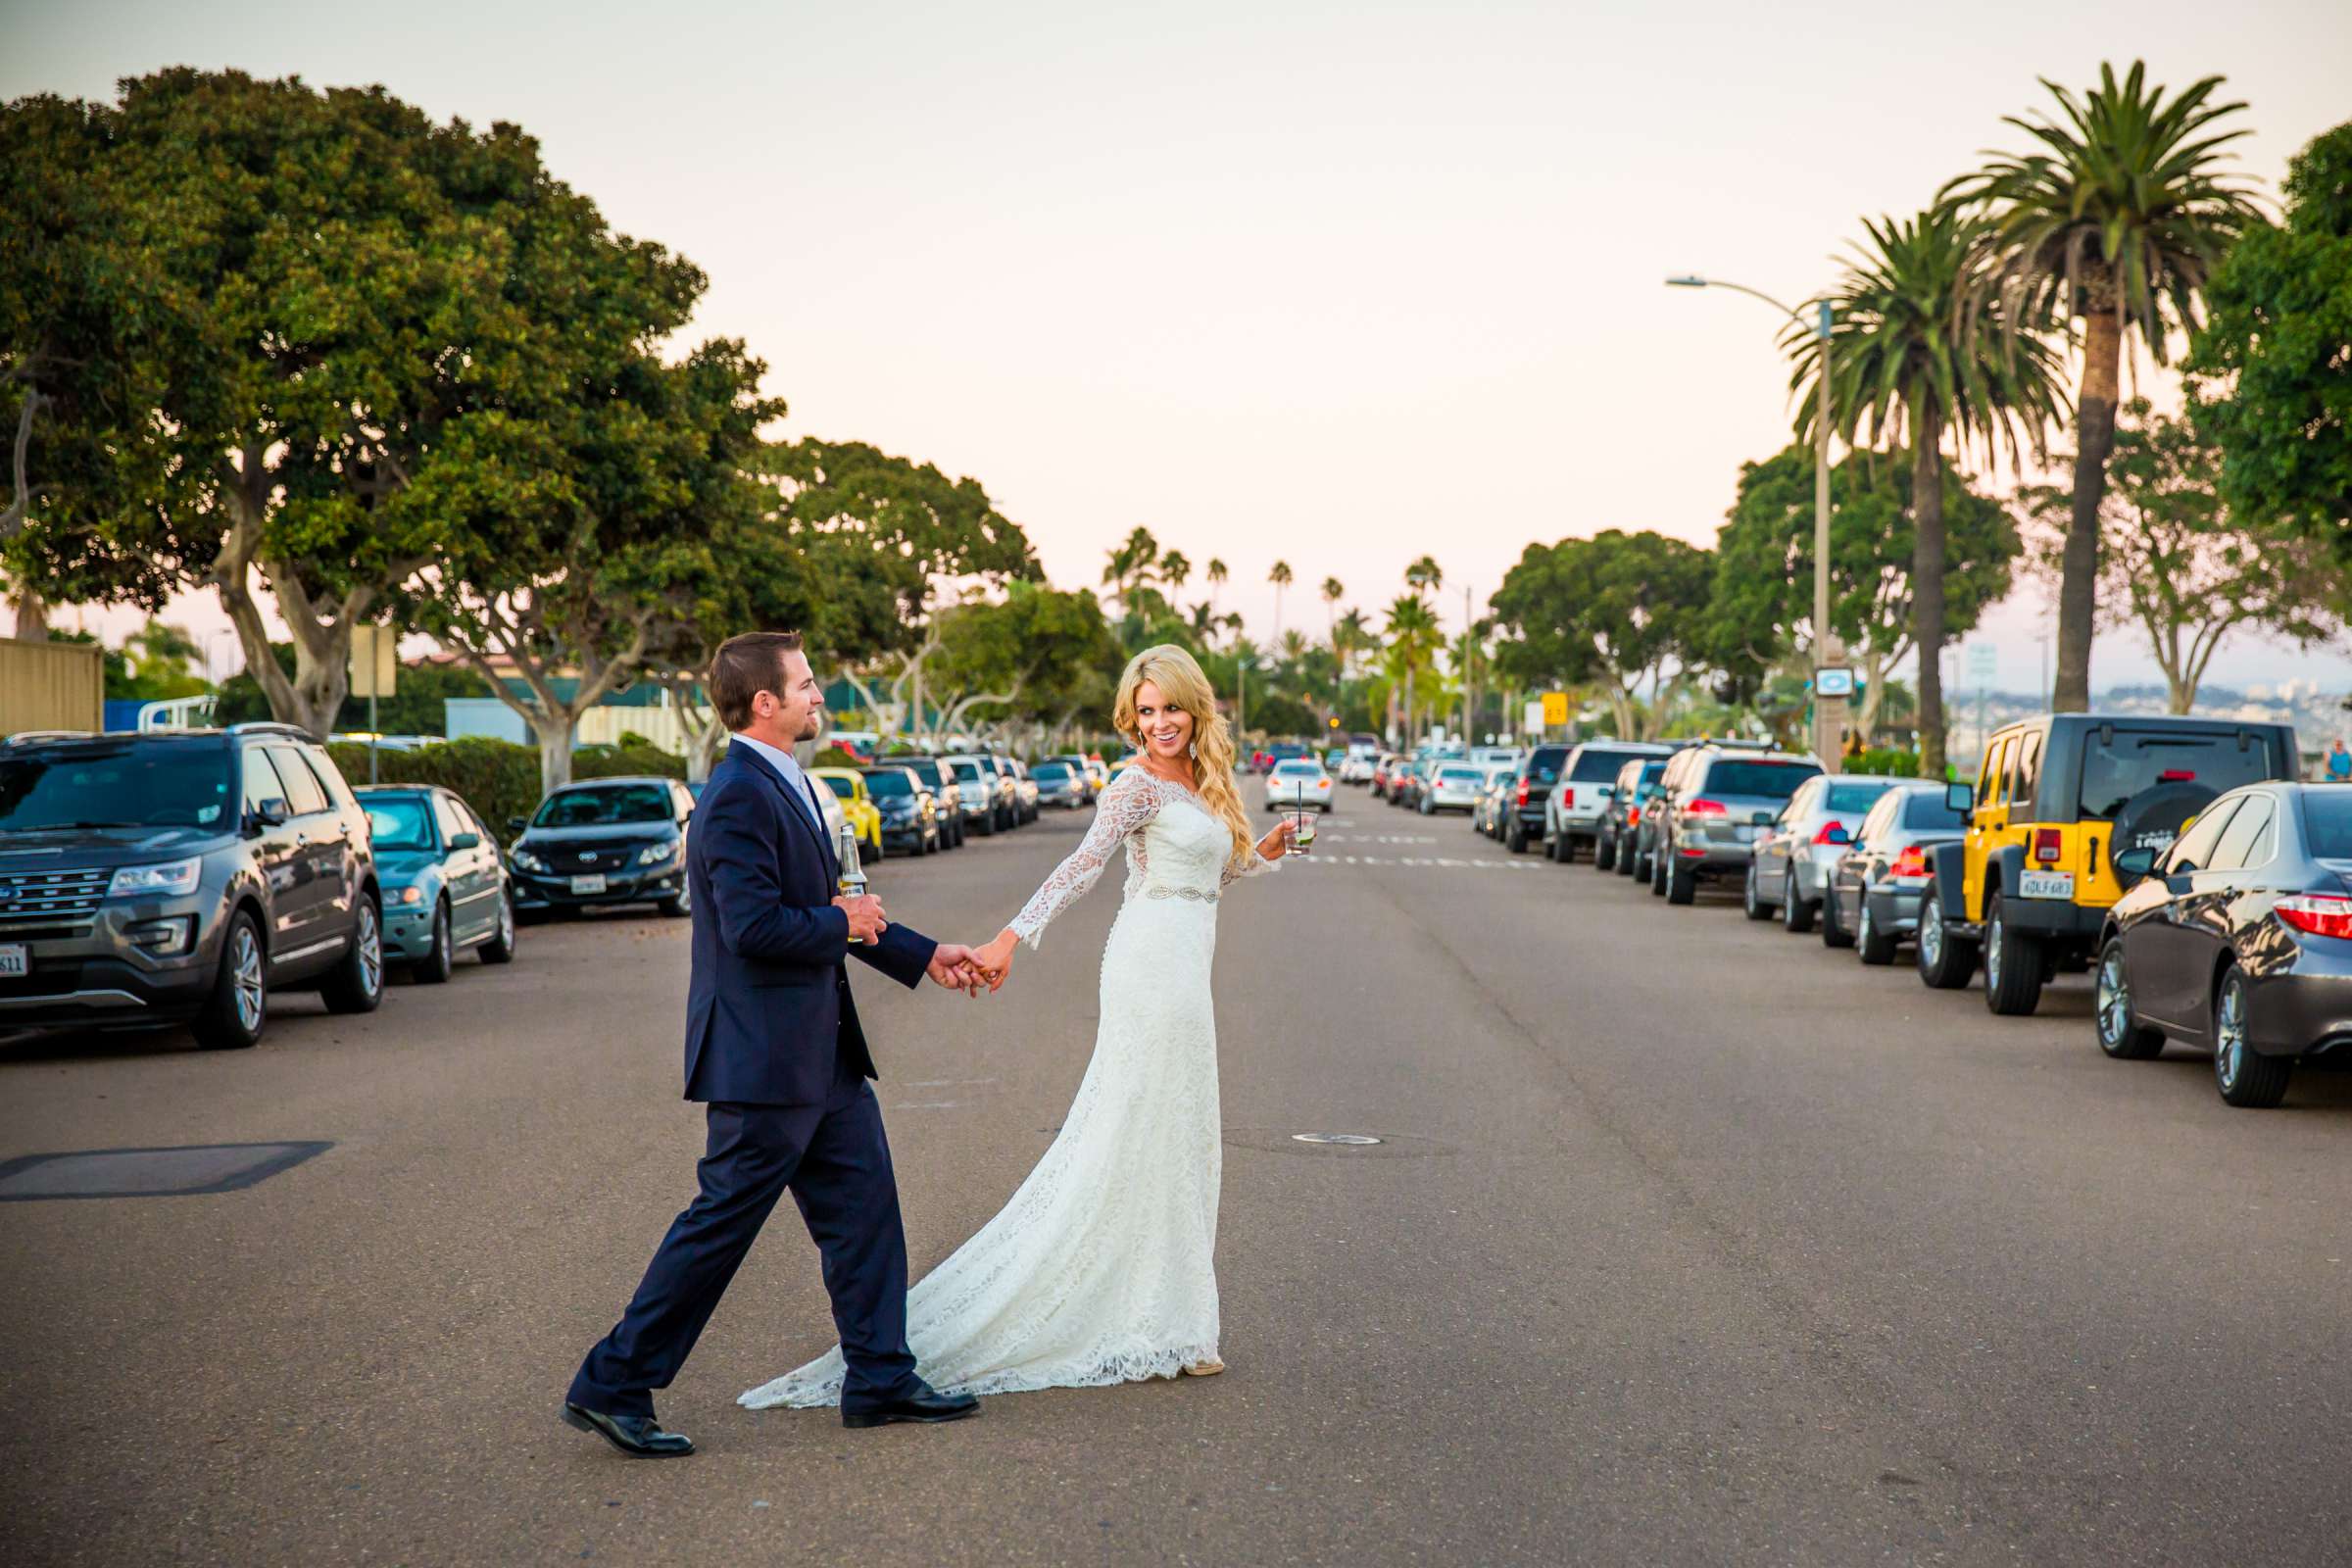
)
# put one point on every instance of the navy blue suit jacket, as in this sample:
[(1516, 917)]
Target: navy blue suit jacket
[(769, 1010)]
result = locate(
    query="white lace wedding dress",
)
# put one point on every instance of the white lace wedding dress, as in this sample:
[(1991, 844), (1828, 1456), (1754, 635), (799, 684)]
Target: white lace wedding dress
[(1099, 1270)]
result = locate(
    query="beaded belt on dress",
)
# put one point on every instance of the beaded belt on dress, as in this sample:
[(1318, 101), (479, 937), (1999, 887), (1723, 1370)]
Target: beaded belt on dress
[(1193, 893)]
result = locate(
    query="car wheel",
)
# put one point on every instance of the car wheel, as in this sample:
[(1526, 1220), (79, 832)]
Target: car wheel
[(500, 948), (681, 905), (1875, 947), (238, 1010), (1681, 886), (356, 983), (1515, 839), (2246, 1076), (1796, 915), (1657, 873), (1945, 961), (433, 969), (1427, 809), (1752, 897), (1630, 863), (1604, 853), (2121, 1033), (988, 825), (1567, 852), (1833, 924), (2012, 965)]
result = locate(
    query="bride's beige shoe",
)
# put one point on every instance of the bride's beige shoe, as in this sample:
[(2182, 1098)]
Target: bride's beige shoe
[(1204, 1369)]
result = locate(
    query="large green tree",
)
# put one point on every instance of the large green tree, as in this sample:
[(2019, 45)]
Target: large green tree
[(1762, 599), (1907, 362), (2180, 564), (1035, 654), (1626, 611), (2273, 364), (2115, 219)]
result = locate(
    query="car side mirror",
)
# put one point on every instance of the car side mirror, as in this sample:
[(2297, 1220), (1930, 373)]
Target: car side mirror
[(465, 841), (1960, 797), (270, 811), (2134, 864), (1839, 834)]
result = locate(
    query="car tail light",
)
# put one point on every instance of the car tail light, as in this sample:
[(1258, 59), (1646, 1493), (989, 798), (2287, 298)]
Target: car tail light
[(1830, 834), (1523, 792), (1911, 860), (1702, 806), (2322, 914), (1633, 817), (2046, 845)]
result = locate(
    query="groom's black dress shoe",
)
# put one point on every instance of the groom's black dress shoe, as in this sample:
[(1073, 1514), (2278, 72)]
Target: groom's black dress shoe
[(639, 1436), (926, 1405)]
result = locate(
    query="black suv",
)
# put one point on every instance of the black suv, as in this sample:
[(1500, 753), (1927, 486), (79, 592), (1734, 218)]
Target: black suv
[(160, 877), (1525, 796)]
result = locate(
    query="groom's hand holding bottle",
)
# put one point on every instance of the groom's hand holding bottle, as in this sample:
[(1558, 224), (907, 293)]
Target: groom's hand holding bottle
[(866, 918)]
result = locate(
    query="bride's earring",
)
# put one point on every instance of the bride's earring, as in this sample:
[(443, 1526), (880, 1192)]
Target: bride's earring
[(1193, 750)]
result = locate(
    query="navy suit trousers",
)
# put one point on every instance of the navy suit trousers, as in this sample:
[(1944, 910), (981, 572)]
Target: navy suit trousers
[(836, 1162)]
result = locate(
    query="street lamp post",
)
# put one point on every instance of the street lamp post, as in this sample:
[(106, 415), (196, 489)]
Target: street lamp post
[(1826, 712)]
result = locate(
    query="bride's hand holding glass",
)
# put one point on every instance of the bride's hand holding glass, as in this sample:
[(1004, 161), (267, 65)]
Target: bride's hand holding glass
[(1277, 844)]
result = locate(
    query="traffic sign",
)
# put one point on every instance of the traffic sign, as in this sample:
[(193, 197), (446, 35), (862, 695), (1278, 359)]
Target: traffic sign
[(1555, 709), (1834, 683)]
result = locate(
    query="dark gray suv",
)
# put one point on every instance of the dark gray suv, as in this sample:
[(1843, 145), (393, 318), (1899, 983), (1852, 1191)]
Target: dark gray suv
[(155, 878)]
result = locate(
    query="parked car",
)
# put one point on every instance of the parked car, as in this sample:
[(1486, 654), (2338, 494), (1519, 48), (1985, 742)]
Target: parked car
[(1711, 810), (1406, 780), (1485, 754), (1875, 886), (1486, 819), (1523, 818), (1025, 795), (2240, 942), (183, 876), (946, 796), (1300, 781), (1087, 785), (2068, 810), (606, 841), (1646, 834), (909, 810), (1790, 867), (1062, 784), (443, 884), (1357, 765), (1384, 768), (1452, 787), (990, 801), (1574, 805), (1621, 818), (848, 785)]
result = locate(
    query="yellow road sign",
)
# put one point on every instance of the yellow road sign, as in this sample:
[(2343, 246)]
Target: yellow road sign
[(1555, 707)]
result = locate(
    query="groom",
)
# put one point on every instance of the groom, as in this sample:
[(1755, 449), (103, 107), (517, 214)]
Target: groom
[(774, 1049)]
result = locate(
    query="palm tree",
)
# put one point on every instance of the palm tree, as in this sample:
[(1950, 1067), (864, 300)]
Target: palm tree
[(1906, 359), (1425, 577), (1413, 643), (1215, 573), (1130, 565), (1279, 577), (2118, 219), (1175, 568), (1348, 635), (1333, 589)]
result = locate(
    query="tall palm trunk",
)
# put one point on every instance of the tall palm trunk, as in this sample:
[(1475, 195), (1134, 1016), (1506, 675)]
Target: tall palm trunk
[(1927, 580), (2078, 572)]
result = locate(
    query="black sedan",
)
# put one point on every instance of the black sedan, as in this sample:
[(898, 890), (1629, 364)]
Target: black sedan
[(2238, 941), (909, 811), (607, 841)]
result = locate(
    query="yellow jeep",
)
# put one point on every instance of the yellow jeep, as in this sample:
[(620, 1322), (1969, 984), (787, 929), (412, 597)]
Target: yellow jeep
[(2067, 809)]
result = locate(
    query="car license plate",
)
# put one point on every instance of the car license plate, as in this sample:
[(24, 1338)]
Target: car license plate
[(588, 884), (16, 961), (2045, 884)]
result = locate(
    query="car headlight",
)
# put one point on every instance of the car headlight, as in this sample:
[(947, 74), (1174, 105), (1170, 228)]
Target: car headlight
[(412, 893), (174, 876), (529, 861), (657, 854)]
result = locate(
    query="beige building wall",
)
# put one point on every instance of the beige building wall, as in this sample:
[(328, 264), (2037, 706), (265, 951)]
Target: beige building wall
[(51, 686)]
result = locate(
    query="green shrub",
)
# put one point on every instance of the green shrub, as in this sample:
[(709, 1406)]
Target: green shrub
[(499, 779), (1885, 762), (611, 762)]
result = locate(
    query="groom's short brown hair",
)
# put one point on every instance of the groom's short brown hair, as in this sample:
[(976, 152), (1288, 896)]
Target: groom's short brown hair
[(746, 666)]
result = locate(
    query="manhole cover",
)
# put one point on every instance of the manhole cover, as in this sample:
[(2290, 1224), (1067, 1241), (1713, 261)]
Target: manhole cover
[(1348, 1139), (148, 1172)]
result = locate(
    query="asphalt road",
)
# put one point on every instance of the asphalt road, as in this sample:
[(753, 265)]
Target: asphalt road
[(1689, 1243)]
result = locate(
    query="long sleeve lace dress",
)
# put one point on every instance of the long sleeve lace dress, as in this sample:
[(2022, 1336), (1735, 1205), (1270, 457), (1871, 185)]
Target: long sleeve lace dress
[(1100, 1269)]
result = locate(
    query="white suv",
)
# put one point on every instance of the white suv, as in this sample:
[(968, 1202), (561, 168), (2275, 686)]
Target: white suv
[(1588, 779)]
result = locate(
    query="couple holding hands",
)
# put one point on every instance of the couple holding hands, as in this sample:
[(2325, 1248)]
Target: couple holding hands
[(1100, 1269)]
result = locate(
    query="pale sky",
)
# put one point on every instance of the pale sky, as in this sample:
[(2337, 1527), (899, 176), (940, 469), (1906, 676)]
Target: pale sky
[(1336, 283)]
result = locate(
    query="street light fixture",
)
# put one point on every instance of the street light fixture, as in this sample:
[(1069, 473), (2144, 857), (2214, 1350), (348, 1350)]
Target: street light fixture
[(1825, 737)]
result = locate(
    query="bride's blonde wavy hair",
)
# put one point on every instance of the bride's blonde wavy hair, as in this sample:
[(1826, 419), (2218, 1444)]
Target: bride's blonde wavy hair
[(1181, 684)]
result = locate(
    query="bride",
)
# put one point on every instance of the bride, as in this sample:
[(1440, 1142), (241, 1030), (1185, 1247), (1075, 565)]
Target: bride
[(1100, 1269)]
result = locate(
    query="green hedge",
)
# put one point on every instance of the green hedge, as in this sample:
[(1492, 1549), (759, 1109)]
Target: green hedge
[(1885, 762), (499, 779)]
